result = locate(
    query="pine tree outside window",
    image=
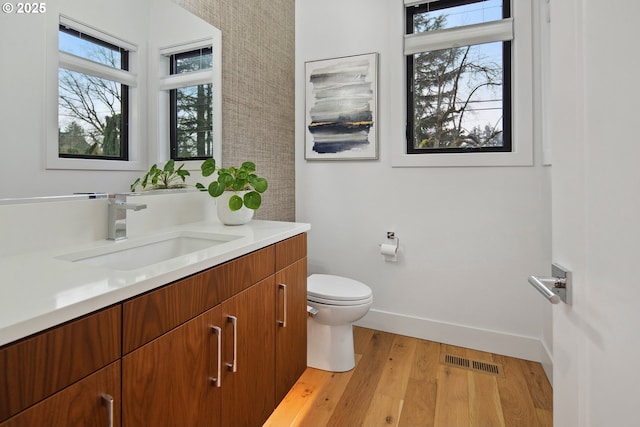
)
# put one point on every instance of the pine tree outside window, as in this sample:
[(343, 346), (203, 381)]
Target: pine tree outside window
[(458, 76), (191, 112)]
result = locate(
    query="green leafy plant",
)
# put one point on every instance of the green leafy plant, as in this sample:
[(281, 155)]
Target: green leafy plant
[(167, 177), (235, 179)]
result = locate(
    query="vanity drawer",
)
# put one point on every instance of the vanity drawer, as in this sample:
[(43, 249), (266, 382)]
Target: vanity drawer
[(43, 364), (81, 404), (290, 250), (148, 316)]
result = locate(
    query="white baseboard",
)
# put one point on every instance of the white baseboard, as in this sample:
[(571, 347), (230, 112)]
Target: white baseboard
[(547, 362), (463, 336)]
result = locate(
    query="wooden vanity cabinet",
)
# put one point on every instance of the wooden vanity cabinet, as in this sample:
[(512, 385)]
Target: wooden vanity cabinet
[(174, 378), (291, 301), (168, 382), (58, 377), (209, 371), (92, 401), (248, 395), (148, 316), (166, 358)]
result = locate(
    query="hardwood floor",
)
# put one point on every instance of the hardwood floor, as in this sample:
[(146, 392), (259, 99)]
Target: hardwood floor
[(401, 381)]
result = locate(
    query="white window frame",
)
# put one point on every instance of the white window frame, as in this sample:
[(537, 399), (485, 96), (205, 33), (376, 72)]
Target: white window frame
[(521, 92), (167, 82), (136, 158)]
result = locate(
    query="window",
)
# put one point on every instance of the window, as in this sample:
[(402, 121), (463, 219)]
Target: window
[(114, 112), (458, 55), (93, 95), (191, 112)]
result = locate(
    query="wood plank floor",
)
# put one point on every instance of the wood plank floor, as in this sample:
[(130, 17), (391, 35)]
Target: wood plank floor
[(401, 381)]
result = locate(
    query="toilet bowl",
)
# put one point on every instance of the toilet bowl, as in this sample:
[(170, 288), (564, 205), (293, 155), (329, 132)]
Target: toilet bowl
[(339, 302)]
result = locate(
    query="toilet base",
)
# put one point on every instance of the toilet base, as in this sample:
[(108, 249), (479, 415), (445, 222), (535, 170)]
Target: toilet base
[(330, 347)]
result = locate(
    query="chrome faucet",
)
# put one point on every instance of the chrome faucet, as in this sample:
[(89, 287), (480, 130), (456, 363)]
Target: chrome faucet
[(117, 216)]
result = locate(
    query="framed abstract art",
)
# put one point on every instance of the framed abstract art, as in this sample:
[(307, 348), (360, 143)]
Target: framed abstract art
[(341, 108)]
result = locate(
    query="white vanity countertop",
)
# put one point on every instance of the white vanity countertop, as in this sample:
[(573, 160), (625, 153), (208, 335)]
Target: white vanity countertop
[(39, 290)]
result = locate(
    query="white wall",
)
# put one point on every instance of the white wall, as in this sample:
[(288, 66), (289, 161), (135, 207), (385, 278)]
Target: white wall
[(469, 237), (45, 224)]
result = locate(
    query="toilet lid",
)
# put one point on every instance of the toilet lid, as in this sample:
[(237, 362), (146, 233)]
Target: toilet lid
[(336, 288)]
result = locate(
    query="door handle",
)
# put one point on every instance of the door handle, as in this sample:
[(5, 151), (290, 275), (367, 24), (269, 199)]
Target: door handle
[(556, 288)]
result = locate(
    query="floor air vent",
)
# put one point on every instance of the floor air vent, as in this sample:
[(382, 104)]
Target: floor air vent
[(473, 365)]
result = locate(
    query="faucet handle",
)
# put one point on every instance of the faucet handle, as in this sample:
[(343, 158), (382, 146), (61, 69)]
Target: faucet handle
[(120, 202), (135, 206), (117, 215)]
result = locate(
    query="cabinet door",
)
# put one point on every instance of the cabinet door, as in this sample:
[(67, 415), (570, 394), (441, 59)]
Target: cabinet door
[(151, 315), (39, 366), (291, 332), (169, 381), (248, 393), (92, 401)]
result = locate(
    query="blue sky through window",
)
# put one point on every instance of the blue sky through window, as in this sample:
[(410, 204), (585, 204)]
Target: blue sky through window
[(87, 49), (477, 92), (468, 14), (89, 107)]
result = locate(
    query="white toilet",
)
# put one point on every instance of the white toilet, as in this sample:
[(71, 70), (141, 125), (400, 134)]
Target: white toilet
[(339, 302)]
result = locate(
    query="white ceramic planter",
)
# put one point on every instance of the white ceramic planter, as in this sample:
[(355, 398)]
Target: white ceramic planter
[(229, 217)]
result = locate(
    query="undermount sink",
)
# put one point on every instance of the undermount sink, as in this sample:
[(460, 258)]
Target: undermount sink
[(137, 253)]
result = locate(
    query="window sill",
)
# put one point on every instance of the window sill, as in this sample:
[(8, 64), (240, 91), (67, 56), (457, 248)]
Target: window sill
[(522, 157), (54, 162)]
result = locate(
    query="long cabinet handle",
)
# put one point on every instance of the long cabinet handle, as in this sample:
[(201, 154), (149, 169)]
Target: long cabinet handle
[(107, 400), (283, 322), (233, 366), (217, 381)]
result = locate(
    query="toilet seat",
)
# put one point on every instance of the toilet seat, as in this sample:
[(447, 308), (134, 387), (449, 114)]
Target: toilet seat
[(326, 301), (337, 290)]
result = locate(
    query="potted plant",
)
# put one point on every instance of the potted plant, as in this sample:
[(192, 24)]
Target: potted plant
[(239, 190), (167, 177)]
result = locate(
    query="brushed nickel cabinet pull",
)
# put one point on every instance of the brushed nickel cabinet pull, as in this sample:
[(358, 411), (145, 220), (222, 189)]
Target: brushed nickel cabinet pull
[(233, 366), (107, 400), (283, 322), (217, 381)]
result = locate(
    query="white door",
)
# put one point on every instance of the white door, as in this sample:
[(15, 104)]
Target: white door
[(595, 137)]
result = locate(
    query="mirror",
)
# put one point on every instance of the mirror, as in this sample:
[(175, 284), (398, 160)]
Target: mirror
[(29, 84)]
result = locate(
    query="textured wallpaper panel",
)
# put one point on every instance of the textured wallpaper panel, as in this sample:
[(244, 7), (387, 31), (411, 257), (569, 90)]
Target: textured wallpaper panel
[(257, 92)]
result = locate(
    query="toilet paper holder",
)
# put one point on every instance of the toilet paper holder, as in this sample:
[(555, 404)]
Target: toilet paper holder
[(390, 251), (392, 236)]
